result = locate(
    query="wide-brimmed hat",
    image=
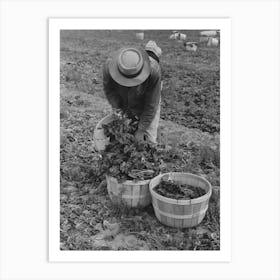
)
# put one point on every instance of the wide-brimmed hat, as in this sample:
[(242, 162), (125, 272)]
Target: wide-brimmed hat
[(130, 66)]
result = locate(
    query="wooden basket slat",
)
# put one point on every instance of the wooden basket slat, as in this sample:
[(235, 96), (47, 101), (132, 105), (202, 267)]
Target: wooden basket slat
[(170, 222), (196, 207), (159, 204), (178, 209), (188, 209), (158, 215), (129, 193), (141, 199), (124, 190), (135, 193), (187, 223), (165, 207), (162, 218), (146, 198), (178, 223), (194, 221), (200, 218), (204, 205)]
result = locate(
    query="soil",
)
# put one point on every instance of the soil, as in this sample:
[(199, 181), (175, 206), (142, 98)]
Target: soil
[(189, 122), (175, 190)]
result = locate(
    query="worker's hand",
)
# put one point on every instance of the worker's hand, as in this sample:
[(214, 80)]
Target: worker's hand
[(140, 136), (117, 112)]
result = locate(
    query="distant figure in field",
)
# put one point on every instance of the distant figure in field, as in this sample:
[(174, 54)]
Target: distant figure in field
[(132, 85)]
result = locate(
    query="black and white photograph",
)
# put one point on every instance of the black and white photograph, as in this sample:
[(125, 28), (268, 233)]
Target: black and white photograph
[(139, 117), (139, 140), (140, 150)]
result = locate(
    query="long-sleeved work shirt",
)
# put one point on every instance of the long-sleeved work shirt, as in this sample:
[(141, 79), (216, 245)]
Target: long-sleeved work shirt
[(141, 101)]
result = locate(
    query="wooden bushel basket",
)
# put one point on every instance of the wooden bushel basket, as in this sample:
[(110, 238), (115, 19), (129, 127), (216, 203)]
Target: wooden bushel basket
[(213, 42), (99, 138), (180, 213), (129, 193)]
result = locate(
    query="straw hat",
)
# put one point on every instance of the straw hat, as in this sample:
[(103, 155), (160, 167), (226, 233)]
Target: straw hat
[(130, 66)]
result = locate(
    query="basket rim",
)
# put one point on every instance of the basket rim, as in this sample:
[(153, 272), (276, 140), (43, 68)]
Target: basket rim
[(130, 182), (98, 125), (99, 129), (181, 201)]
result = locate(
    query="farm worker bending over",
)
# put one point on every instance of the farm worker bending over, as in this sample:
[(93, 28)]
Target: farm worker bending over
[(132, 84)]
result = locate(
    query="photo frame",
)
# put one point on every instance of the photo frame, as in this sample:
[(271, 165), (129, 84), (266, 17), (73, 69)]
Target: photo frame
[(25, 128), (55, 26)]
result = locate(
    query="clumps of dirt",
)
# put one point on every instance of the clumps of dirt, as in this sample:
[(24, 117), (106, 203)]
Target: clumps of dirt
[(176, 190)]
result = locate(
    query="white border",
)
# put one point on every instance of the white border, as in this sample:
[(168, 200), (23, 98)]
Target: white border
[(55, 255)]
